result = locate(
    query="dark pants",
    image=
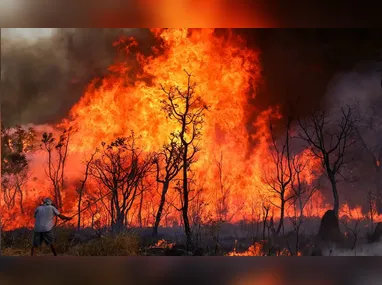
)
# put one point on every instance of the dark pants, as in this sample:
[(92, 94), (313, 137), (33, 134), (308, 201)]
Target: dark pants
[(40, 237)]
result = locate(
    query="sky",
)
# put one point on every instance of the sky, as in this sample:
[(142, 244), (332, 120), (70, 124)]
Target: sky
[(32, 35)]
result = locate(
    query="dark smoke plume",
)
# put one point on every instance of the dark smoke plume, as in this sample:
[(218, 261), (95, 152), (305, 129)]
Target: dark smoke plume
[(41, 80)]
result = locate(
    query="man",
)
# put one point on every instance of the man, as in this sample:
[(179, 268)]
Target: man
[(44, 224)]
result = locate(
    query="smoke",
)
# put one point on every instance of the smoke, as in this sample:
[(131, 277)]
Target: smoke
[(43, 77), (360, 89), (298, 65), (374, 249)]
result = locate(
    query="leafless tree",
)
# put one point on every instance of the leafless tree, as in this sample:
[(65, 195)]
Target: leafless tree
[(355, 217), (197, 210), (265, 210), (223, 192), (141, 199), (280, 173), (80, 190), (9, 193), (144, 186), (369, 132), (187, 110), (167, 210), (329, 143), (57, 155), (15, 144), (303, 192), (12, 186), (120, 168), (371, 202), (93, 209), (168, 164)]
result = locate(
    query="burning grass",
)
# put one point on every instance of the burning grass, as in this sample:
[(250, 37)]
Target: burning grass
[(262, 248), (163, 244), (254, 250)]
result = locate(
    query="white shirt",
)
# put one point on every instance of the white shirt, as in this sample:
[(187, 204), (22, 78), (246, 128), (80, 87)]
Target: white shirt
[(45, 218)]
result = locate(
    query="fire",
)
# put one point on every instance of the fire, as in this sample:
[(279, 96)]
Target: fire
[(163, 244), (223, 72), (226, 73), (257, 249), (254, 250)]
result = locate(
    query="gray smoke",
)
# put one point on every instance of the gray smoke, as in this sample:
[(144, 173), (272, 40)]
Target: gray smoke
[(360, 89), (374, 249), (360, 86), (41, 79)]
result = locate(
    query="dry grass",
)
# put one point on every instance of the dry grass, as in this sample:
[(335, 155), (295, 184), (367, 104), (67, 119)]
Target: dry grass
[(119, 245), (126, 244)]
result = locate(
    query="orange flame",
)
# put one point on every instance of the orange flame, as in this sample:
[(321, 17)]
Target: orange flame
[(129, 98)]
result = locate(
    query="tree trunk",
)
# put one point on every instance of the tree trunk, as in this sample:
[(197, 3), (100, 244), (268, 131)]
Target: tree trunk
[(379, 189), (282, 209), (112, 214), (119, 223), (160, 209), (265, 218), (336, 202), (140, 210), (264, 225), (297, 239), (57, 198), (301, 207), (21, 199), (79, 210), (92, 221), (186, 221)]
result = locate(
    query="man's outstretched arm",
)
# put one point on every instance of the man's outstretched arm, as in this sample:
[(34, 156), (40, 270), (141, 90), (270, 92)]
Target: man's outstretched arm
[(58, 214), (62, 217)]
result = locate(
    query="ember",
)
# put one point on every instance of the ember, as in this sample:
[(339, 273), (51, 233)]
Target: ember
[(163, 244), (254, 250)]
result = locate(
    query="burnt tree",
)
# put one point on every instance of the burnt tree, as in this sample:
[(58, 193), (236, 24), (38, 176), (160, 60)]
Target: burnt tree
[(303, 191), (223, 192), (187, 109), (12, 186), (369, 132), (168, 163), (279, 175), (80, 190), (120, 168), (15, 144), (352, 222), (57, 155), (330, 143)]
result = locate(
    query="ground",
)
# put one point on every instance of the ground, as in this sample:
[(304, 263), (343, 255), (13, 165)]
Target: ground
[(229, 239)]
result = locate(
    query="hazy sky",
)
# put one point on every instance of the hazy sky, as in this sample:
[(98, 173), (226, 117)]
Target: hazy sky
[(30, 34)]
